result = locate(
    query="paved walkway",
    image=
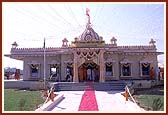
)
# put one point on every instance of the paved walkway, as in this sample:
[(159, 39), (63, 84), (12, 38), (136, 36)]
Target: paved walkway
[(111, 101)]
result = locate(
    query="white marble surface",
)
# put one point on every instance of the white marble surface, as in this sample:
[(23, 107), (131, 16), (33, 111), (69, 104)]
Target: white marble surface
[(111, 101)]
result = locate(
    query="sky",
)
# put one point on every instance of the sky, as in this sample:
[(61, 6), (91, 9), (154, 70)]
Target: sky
[(130, 23)]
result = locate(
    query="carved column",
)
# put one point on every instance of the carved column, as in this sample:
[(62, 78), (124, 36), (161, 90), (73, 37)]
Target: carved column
[(75, 69), (63, 70), (102, 66)]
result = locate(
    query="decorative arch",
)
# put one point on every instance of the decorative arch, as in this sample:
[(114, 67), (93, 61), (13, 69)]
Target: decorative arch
[(88, 71), (87, 55)]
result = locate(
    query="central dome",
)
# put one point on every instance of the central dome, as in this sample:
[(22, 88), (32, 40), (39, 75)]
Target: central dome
[(89, 34)]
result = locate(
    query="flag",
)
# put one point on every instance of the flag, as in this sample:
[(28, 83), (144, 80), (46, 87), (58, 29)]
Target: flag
[(87, 11), (44, 43)]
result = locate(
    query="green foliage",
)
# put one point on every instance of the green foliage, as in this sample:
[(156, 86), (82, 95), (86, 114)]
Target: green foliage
[(21, 100), (22, 103), (151, 101), (157, 104)]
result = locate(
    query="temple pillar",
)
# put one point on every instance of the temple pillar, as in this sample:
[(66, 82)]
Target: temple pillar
[(116, 70), (75, 68), (102, 66), (63, 69)]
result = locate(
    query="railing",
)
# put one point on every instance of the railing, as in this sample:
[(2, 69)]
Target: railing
[(50, 91), (128, 91), (48, 96), (137, 47)]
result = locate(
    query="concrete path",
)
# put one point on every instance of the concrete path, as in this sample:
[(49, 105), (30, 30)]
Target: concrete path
[(71, 101), (111, 102)]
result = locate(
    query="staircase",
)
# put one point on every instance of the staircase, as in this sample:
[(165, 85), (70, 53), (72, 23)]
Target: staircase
[(98, 86)]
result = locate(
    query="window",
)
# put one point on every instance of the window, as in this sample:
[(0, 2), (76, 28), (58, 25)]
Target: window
[(34, 69), (126, 69), (69, 70), (145, 68), (109, 70), (54, 72)]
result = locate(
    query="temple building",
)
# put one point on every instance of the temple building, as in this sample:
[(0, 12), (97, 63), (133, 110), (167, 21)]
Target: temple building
[(87, 58)]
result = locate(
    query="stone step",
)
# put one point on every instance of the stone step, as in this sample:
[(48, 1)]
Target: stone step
[(105, 86)]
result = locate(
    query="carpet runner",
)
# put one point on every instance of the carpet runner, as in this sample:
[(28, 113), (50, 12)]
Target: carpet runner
[(88, 102)]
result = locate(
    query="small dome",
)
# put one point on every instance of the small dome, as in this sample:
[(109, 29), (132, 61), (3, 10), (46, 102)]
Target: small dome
[(64, 40), (14, 45), (113, 39)]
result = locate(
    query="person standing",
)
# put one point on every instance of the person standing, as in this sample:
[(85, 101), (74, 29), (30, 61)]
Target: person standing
[(17, 74), (89, 74), (159, 73), (152, 73), (8, 75), (156, 73), (67, 78)]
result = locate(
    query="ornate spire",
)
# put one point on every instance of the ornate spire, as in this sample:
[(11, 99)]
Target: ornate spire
[(89, 34)]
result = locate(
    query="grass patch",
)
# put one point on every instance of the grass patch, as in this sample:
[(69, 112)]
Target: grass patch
[(148, 100), (151, 99), (21, 100)]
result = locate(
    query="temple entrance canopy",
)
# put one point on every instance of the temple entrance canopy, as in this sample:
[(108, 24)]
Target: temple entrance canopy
[(88, 51), (88, 71)]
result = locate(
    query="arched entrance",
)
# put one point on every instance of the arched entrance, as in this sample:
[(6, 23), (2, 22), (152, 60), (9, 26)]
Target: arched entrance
[(89, 71)]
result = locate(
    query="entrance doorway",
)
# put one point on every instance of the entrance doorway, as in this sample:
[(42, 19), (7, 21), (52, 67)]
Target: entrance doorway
[(88, 72)]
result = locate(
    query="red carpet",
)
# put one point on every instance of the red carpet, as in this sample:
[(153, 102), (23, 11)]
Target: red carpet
[(88, 102)]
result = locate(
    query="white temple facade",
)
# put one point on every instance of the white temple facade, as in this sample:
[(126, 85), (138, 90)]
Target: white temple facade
[(87, 58)]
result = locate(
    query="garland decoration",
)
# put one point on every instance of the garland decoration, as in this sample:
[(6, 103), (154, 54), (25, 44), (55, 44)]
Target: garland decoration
[(126, 65), (33, 66), (109, 64), (78, 52), (70, 64), (146, 64), (89, 64), (54, 65)]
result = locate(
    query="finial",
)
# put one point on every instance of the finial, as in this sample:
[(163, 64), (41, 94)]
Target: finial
[(152, 42), (87, 14), (14, 45), (113, 41), (65, 42)]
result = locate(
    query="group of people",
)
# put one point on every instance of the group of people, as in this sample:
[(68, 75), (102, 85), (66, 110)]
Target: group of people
[(92, 74), (156, 74), (16, 74)]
